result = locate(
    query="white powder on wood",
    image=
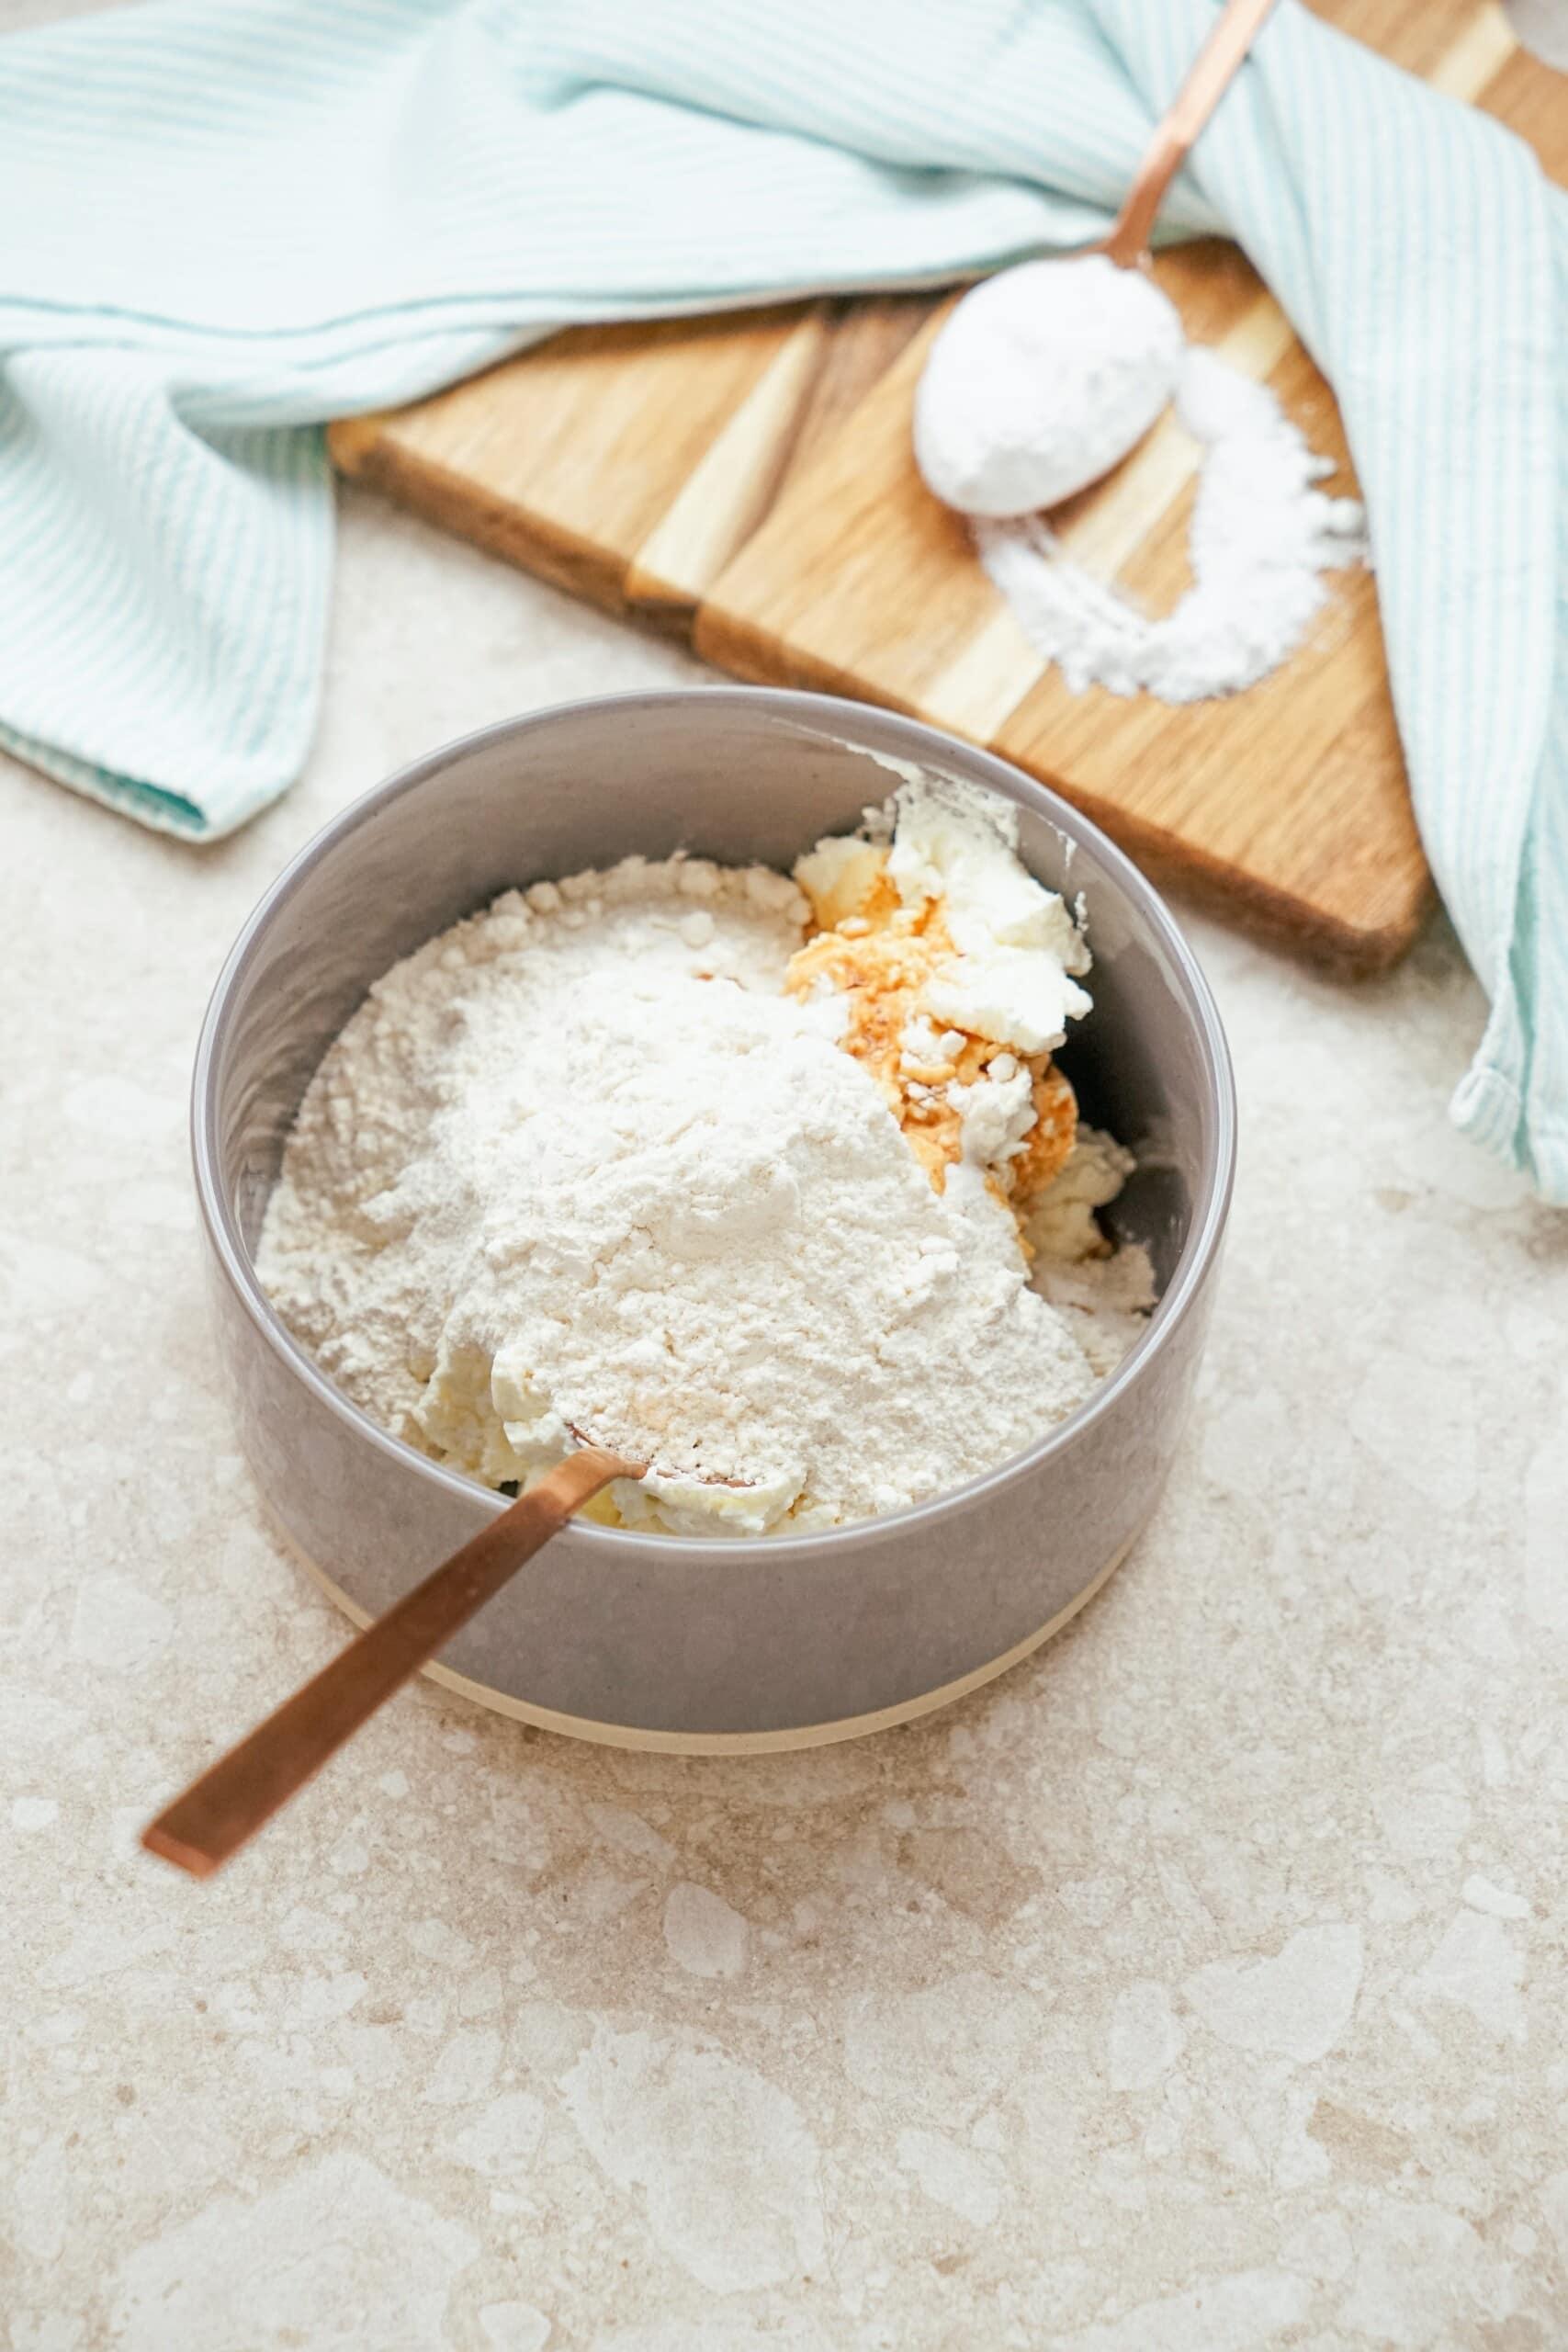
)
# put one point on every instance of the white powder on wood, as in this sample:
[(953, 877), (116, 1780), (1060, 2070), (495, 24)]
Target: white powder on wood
[(579, 1168), (1262, 536)]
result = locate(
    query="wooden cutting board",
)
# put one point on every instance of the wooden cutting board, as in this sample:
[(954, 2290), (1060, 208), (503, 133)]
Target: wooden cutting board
[(746, 483)]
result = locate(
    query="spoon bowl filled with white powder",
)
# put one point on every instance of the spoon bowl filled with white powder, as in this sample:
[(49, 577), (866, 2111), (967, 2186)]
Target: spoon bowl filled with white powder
[(760, 1087)]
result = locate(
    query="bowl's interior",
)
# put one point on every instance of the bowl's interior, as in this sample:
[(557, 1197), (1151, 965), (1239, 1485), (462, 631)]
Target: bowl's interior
[(727, 774)]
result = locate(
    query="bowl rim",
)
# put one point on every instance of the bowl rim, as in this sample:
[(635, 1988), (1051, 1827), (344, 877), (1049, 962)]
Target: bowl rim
[(900, 736)]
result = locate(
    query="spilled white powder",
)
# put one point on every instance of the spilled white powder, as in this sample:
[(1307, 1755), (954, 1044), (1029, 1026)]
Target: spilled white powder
[(578, 1168), (1262, 536)]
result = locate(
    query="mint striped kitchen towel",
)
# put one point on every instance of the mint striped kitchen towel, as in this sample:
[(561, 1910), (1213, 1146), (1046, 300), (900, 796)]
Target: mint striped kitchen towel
[(228, 219)]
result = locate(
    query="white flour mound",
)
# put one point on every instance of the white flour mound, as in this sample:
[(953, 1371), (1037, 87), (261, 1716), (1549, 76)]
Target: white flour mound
[(1041, 380), (577, 1167)]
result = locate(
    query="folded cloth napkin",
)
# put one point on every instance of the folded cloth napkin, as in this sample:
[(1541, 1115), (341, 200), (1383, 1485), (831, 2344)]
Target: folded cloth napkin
[(228, 219)]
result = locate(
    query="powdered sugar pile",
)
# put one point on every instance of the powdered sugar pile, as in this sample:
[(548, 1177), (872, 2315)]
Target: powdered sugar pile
[(1262, 536), (579, 1167), (1041, 380)]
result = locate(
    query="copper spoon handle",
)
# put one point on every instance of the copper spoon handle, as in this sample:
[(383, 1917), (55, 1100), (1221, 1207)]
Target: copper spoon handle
[(243, 1789), (1236, 27)]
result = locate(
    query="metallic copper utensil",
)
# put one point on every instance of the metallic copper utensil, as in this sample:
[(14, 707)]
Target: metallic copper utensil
[(1235, 29), (1043, 377), (233, 1797)]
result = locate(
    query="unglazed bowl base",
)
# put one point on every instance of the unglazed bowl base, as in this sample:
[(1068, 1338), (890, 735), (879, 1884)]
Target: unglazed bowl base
[(728, 1743)]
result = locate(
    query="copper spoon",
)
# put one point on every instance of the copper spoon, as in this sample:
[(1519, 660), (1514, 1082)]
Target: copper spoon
[(1030, 343), (233, 1797), (1236, 29)]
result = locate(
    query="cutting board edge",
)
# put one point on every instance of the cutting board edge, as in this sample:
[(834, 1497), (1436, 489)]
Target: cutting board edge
[(451, 500), (1301, 927)]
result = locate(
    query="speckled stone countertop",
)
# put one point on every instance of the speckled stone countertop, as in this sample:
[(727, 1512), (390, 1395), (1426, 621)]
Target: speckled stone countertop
[(1198, 1988)]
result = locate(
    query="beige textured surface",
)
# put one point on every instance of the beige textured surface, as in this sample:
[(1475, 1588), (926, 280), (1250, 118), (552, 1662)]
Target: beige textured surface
[(1199, 1987)]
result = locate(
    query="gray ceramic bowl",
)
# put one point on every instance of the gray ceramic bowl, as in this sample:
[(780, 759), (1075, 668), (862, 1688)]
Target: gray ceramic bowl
[(647, 1640)]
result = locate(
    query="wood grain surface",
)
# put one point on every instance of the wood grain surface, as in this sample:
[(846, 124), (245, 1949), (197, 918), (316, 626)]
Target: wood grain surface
[(746, 482)]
